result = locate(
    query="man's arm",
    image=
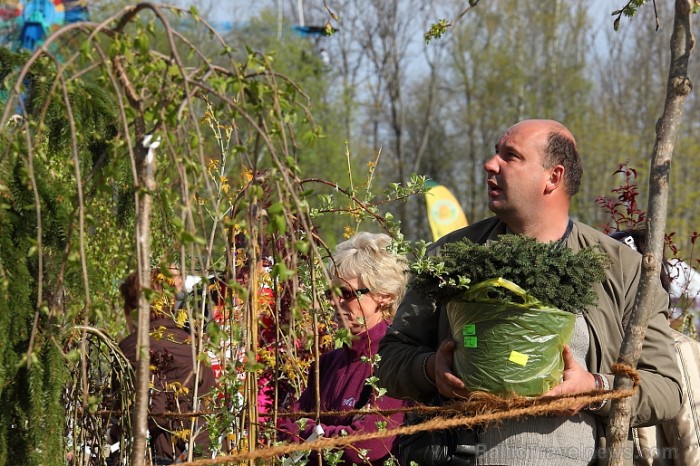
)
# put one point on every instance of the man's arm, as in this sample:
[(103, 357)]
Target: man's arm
[(408, 351), (409, 341), (659, 395)]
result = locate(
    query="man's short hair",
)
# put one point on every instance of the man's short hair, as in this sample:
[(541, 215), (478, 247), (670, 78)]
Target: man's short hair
[(561, 150)]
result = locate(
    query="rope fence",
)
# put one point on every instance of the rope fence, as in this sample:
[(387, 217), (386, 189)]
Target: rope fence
[(483, 408)]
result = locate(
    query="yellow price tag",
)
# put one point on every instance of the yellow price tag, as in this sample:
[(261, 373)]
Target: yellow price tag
[(518, 358)]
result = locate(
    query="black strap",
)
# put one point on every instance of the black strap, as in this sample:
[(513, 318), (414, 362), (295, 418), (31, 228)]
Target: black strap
[(570, 226), (364, 397)]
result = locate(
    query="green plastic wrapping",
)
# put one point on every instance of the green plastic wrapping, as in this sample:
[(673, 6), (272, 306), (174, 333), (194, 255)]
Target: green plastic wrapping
[(508, 348)]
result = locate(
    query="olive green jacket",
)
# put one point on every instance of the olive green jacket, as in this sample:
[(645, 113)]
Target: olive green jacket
[(419, 327)]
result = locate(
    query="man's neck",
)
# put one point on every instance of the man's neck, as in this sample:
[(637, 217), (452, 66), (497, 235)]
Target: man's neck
[(553, 230)]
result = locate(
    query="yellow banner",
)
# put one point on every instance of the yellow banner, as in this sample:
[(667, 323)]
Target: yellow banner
[(444, 212)]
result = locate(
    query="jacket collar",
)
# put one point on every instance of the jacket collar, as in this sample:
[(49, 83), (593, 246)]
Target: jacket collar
[(367, 342)]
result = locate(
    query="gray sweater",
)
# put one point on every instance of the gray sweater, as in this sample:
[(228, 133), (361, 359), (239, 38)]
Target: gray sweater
[(544, 441)]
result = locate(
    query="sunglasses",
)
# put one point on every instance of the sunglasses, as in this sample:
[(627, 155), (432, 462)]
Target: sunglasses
[(345, 293)]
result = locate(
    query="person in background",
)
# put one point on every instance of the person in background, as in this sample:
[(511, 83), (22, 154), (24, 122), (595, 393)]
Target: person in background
[(173, 371), (675, 442), (531, 178), (368, 283)]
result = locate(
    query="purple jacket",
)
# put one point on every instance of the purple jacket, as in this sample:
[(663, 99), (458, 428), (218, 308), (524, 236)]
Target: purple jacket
[(343, 388)]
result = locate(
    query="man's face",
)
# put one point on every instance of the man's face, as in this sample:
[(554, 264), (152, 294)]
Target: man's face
[(516, 179)]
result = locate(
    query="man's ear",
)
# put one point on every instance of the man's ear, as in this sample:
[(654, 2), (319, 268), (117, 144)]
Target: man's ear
[(556, 179)]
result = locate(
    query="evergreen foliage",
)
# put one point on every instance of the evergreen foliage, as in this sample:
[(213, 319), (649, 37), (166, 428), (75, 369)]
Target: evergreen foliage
[(32, 366), (9, 62), (548, 271), (31, 382), (14, 324)]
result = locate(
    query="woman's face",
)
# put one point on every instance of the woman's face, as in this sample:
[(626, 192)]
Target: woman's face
[(357, 308)]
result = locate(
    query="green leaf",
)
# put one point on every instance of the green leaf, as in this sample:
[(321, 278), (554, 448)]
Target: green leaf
[(141, 43), (281, 272), (302, 246), (278, 224), (276, 208), (186, 238)]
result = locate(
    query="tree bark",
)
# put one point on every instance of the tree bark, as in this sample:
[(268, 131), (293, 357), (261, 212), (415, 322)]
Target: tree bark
[(678, 88), (145, 186)]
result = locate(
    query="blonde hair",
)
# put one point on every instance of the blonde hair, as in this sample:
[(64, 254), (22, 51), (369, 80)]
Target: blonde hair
[(366, 257)]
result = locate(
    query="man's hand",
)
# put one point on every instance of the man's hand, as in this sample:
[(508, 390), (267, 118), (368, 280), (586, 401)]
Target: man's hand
[(440, 367), (576, 380)]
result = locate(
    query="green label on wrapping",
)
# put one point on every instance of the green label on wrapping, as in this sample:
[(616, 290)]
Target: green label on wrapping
[(470, 342), (469, 334)]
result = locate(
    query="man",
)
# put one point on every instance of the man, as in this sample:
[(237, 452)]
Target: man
[(531, 179)]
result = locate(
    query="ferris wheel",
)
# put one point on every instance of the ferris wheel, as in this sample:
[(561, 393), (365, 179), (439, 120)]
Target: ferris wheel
[(24, 24)]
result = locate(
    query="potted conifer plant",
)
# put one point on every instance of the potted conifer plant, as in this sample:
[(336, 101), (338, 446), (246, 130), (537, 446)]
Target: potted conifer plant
[(512, 307)]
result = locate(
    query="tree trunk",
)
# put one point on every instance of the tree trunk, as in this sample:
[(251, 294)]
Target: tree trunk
[(678, 88), (145, 185)]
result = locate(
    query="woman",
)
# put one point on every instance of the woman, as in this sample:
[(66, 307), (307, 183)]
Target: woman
[(369, 281)]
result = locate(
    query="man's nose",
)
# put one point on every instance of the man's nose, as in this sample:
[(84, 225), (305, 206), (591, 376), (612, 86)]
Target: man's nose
[(491, 164)]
